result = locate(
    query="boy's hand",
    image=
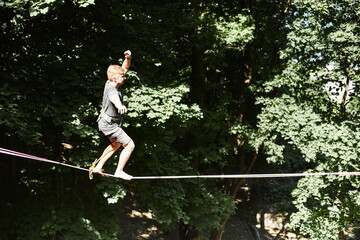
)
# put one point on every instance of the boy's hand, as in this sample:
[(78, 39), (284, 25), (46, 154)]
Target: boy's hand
[(122, 109), (127, 54)]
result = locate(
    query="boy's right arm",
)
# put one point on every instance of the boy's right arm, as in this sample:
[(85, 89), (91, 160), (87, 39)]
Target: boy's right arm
[(118, 104)]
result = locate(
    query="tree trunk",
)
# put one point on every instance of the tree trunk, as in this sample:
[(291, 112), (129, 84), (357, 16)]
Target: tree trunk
[(198, 93), (198, 81), (346, 86), (217, 233), (187, 232), (342, 235)]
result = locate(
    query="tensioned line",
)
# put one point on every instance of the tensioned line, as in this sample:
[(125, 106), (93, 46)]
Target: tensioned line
[(271, 175)]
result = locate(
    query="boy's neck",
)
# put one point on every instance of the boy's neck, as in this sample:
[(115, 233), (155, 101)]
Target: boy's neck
[(116, 85)]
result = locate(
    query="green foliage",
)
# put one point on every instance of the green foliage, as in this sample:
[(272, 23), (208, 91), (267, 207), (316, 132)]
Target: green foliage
[(53, 64), (156, 106), (236, 31), (63, 214), (112, 192), (207, 206), (322, 47), (323, 209), (49, 98), (204, 206)]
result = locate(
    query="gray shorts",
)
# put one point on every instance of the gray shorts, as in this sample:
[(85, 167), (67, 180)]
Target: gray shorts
[(114, 131)]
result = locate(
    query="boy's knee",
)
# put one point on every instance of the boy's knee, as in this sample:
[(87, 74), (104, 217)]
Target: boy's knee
[(130, 145)]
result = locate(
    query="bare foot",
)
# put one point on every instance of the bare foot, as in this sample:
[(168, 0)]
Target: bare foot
[(99, 171), (123, 175), (93, 171)]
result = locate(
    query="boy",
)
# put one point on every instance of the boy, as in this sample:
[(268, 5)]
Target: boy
[(110, 120)]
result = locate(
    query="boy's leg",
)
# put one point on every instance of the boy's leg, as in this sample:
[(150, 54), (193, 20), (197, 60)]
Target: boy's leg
[(124, 157), (108, 152)]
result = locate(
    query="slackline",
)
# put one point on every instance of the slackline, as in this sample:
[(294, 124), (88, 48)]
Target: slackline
[(271, 175)]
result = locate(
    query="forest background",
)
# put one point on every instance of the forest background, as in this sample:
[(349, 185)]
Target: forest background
[(215, 87)]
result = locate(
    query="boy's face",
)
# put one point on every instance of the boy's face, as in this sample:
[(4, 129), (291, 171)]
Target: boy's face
[(119, 79)]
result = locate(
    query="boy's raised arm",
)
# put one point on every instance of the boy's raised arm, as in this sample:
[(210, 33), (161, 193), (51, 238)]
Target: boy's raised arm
[(127, 61)]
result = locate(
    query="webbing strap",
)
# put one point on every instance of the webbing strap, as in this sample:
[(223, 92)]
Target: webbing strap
[(272, 175)]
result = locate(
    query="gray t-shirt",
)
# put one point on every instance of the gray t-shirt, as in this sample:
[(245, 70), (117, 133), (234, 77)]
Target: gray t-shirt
[(108, 107)]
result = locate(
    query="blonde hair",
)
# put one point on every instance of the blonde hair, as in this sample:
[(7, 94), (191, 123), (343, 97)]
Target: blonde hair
[(114, 70)]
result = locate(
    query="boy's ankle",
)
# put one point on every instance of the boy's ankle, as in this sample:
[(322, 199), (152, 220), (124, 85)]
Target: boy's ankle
[(123, 175)]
